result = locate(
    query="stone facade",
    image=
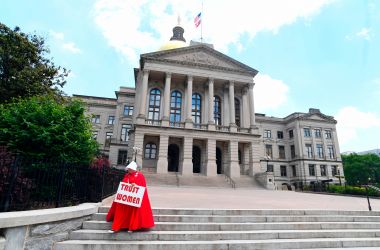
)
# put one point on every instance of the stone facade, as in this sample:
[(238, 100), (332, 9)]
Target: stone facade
[(193, 113)]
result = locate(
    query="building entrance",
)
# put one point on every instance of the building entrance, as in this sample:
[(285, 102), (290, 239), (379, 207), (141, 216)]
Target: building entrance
[(173, 158), (218, 161), (196, 159)]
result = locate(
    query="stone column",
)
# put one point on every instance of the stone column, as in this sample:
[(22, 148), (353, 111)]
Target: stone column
[(165, 118), (211, 158), (139, 142), (211, 122), (162, 163), (233, 127), (254, 158), (144, 88), (189, 96), (187, 165), (252, 108), (234, 169), (245, 118), (225, 109)]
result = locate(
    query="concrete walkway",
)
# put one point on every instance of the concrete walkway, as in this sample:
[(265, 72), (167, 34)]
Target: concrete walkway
[(202, 197)]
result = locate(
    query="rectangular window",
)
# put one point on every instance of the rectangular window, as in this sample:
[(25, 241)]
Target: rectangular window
[(280, 135), (281, 152), (331, 153), (294, 170), (122, 158), (128, 110), (111, 119), (283, 170), (334, 170), (267, 134), (309, 150), (95, 135), (320, 150), (306, 132), (268, 151), (108, 139), (323, 170), (124, 132), (270, 168), (96, 119), (317, 133), (292, 151), (311, 169), (291, 135), (328, 134)]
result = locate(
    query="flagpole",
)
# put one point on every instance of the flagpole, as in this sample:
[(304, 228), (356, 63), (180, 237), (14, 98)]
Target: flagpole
[(202, 24)]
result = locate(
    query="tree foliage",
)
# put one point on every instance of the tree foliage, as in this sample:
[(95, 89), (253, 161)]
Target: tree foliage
[(40, 127), (358, 168), (24, 69)]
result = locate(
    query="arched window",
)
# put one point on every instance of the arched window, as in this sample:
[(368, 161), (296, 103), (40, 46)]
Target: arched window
[(150, 151), (196, 108), (237, 112), (154, 104), (175, 107), (217, 110)]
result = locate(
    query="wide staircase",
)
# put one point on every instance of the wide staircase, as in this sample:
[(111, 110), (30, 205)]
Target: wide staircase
[(204, 229)]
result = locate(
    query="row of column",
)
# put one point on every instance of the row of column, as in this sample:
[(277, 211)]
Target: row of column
[(188, 101), (232, 168)]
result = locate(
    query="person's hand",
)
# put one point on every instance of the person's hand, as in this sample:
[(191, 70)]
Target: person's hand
[(133, 184)]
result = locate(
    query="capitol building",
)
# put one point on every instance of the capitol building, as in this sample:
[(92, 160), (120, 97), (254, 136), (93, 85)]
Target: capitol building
[(192, 111)]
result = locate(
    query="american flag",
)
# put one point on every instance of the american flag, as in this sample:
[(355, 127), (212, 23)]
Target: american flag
[(197, 20)]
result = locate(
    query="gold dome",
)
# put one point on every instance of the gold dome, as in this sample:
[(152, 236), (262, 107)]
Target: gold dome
[(173, 44)]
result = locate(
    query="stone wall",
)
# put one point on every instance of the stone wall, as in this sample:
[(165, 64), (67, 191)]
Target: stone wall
[(41, 229)]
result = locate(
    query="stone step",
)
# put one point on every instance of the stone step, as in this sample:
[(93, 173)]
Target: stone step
[(258, 218), (2, 243), (220, 245), (178, 226), (178, 211), (86, 234), (197, 180)]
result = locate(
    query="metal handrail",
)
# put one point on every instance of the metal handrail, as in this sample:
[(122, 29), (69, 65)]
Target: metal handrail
[(177, 178), (229, 180)]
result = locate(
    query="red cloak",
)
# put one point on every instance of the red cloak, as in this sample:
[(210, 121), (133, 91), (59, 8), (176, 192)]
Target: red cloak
[(129, 217)]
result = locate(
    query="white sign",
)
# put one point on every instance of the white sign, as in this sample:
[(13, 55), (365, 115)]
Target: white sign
[(129, 195)]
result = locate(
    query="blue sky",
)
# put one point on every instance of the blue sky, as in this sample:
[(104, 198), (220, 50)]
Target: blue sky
[(322, 54)]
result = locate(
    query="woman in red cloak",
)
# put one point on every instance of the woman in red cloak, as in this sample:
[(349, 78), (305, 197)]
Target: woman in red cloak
[(129, 217)]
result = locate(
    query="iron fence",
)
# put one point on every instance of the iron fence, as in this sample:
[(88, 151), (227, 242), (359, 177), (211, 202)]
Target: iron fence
[(30, 184)]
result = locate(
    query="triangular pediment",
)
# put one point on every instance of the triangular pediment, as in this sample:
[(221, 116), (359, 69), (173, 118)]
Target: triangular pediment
[(199, 55), (318, 117)]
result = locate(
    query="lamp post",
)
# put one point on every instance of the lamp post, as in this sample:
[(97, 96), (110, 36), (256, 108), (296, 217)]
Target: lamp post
[(340, 180), (366, 191), (135, 150)]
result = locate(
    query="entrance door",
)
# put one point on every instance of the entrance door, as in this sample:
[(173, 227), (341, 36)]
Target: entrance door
[(173, 158), (218, 161), (196, 159)]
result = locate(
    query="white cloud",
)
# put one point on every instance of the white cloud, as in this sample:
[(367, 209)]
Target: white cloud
[(56, 35), (269, 93), (134, 27), (59, 38), (351, 120), (364, 33), (71, 47)]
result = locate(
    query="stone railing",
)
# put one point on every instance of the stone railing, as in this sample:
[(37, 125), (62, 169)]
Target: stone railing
[(200, 126), (242, 130), (153, 122), (40, 229), (266, 179), (223, 128), (177, 124)]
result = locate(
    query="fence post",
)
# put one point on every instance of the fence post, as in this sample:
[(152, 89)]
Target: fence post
[(14, 173), (103, 173), (60, 187)]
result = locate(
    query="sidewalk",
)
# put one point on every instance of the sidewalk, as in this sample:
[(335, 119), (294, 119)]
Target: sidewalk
[(199, 197)]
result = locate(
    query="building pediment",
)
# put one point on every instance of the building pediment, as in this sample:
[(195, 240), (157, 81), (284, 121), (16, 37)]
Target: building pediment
[(198, 56), (318, 117)]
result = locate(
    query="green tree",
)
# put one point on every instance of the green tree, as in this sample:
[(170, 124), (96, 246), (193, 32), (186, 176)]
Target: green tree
[(358, 168), (41, 127), (24, 69)]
